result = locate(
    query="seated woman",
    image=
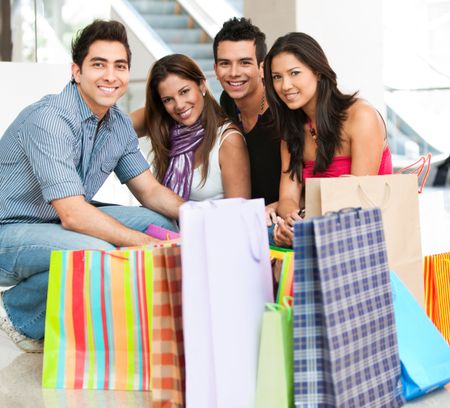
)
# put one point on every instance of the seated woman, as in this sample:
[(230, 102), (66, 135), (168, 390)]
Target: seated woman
[(325, 133), (197, 152)]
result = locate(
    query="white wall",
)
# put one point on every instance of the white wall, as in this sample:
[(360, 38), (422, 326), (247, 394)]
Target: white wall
[(273, 17), (350, 32)]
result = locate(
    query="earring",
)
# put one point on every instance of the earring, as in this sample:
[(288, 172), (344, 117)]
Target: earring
[(204, 93)]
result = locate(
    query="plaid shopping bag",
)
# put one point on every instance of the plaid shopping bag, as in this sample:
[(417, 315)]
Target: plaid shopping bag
[(98, 320), (168, 378), (437, 291), (345, 344)]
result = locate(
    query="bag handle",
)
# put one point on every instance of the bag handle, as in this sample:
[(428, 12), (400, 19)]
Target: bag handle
[(418, 167), (287, 305), (345, 210), (253, 225), (384, 201), (104, 253)]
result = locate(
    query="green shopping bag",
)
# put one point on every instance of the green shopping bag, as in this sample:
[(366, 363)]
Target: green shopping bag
[(274, 386)]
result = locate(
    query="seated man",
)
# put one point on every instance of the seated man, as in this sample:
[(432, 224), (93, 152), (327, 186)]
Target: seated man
[(54, 157)]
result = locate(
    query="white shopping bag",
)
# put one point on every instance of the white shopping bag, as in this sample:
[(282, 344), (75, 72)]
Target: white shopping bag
[(227, 281)]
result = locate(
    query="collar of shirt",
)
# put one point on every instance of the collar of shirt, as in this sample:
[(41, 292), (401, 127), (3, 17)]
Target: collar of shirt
[(87, 114)]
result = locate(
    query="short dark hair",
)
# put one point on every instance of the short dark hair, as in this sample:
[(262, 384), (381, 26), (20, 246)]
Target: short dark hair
[(241, 29), (98, 30)]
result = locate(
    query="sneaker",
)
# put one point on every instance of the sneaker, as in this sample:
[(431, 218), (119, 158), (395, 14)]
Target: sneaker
[(23, 342)]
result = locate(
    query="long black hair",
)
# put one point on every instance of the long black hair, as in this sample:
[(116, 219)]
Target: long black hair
[(331, 107)]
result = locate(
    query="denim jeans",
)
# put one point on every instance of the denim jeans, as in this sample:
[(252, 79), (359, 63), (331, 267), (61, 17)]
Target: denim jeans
[(25, 256)]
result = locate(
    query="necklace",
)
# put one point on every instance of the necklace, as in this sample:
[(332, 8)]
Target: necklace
[(262, 104), (312, 131)]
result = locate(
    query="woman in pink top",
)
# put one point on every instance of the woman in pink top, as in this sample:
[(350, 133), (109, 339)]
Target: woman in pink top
[(325, 133)]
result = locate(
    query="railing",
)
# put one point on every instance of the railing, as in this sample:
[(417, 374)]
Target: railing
[(210, 15)]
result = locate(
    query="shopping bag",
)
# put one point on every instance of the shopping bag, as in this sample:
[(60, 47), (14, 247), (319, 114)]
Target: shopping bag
[(345, 344), (168, 380), (275, 372), (397, 197), (437, 291), (161, 233), (424, 353), (99, 320), (283, 273), (226, 284)]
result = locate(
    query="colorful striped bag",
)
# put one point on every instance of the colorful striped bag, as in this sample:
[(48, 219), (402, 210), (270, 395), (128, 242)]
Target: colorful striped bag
[(437, 291), (98, 324), (283, 259)]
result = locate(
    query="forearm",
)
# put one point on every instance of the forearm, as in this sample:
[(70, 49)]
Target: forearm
[(155, 196), (166, 202), (79, 216), (287, 206)]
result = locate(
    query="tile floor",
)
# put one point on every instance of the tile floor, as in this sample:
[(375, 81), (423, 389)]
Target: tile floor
[(20, 373)]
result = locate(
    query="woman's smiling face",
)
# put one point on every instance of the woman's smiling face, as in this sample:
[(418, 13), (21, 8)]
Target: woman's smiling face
[(294, 82), (182, 98)]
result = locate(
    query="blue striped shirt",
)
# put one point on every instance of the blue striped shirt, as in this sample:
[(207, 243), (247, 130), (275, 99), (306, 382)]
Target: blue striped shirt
[(53, 150)]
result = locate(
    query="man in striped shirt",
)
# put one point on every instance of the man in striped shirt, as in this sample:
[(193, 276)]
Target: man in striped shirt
[(53, 159)]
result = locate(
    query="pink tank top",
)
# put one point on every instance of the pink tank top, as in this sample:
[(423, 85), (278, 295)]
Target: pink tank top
[(341, 165)]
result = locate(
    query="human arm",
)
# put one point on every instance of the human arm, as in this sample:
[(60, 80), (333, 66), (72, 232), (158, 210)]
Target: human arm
[(367, 136), (234, 165), (138, 120), (290, 189), (79, 216), (271, 213), (154, 195)]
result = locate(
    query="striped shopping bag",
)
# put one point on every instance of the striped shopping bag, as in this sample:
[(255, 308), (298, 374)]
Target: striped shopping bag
[(345, 343), (437, 291), (168, 377), (98, 322), (283, 259)]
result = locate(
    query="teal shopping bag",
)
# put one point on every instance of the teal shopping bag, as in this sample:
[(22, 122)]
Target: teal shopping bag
[(424, 354)]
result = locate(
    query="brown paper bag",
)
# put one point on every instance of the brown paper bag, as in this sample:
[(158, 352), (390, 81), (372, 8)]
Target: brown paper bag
[(397, 196)]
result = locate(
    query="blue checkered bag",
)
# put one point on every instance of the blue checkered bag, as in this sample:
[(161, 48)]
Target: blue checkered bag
[(345, 343)]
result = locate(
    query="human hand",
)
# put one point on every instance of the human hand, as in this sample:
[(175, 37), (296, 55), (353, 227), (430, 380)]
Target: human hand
[(292, 218), (165, 242), (271, 216), (283, 234)]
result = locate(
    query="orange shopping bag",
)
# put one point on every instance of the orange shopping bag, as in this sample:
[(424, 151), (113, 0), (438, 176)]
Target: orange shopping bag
[(437, 291)]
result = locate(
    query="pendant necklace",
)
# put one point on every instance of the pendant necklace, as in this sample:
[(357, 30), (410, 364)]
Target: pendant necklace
[(312, 131), (261, 111)]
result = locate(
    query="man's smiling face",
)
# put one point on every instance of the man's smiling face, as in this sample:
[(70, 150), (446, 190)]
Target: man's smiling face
[(103, 77)]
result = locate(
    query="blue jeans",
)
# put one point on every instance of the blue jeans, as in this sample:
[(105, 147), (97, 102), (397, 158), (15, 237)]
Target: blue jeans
[(270, 233), (25, 256)]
